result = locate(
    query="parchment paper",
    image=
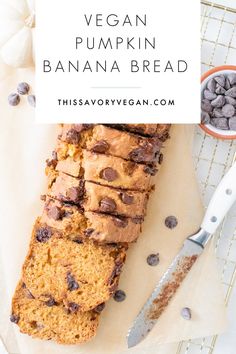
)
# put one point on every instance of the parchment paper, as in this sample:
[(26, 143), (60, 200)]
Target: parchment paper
[(24, 147)]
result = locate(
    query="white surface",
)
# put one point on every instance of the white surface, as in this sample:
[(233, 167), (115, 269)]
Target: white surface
[(173, 43)]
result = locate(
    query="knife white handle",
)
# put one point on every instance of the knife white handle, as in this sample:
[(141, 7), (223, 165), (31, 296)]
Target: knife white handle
[(221, 202)]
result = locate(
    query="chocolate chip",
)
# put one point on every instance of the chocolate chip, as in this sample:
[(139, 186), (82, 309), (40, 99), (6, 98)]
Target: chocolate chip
[(211, 85), (146, 152), (230, 100), (126, 198), (119, 296), (28, 294), (209, 95), (220, 90), (43, 234), (78, 240), (186, 313), (171, 222), (138, 220), (55, 213), (232, 79), (220, 123), (228, 110), (73, 307), (205, 117), (74, 194), (109, 174), (232, 123), (101, 147), (153, 259), (73, 136), (32, 100), (120, 222), (231, 92), (100, 308), (51, 163), (151, 170), (43, 197), (54, 155), (51, 302), (88, 232), (72, 283), (14, 318), (206, 106), (217, 113), (13, 99), (218, 102), (107, 205), (23, 88), (220, 80)]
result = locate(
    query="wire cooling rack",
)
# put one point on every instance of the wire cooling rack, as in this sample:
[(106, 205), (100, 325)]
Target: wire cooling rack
[(212, 160)]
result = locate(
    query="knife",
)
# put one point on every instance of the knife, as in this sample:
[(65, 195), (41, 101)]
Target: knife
[(221, 202)]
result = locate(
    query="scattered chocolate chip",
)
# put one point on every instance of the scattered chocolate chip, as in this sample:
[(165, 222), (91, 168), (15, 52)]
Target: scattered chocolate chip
[(73, 136), (101, 147), (120, 222), (13, 99), (138, 220), (107, 205), (153, 259), (88, 232), (186, 313), (73, 307), (43, 197), (51, 302), (28, 294), (151, 170), (100, 307), (144, 153), (126, 198), (78, 240), (14, 318), (32, 100), (55, 213), (80, 127), (72, 283), (109, 174), (23, 88), (119, 296), (43, 234), (74, 194), (171, 222)]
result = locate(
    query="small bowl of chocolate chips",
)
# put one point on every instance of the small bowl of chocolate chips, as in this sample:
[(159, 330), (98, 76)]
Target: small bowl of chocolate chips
[(218, 102)]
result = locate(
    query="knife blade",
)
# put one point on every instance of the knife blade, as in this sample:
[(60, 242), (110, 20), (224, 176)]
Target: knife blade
[(163, 292), (221, 202)]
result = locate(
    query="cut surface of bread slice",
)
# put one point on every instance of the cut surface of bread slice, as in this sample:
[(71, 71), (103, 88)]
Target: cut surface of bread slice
[(49, 320), (80, 275)]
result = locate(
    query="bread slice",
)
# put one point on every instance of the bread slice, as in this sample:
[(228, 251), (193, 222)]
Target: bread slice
[(102, 139), (70, 221), (79, 275), (102, 169), (50, 320), (97, 198)]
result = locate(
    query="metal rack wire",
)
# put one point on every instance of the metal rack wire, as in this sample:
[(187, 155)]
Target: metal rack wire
[(212, 159)]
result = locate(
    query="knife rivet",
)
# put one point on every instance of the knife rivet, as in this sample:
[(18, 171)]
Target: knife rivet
[(213, 219), (228, 191)]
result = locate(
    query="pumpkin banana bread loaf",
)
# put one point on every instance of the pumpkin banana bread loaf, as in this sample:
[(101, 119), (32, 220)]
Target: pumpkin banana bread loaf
[(99, 180), (81, 275), (51, 320)]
